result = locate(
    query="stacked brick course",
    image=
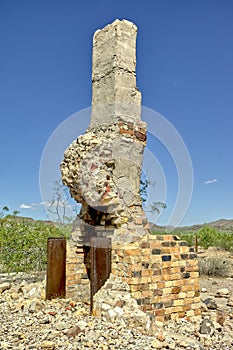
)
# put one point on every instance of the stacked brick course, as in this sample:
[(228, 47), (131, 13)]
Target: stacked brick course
[(162, 273), (77, 281)]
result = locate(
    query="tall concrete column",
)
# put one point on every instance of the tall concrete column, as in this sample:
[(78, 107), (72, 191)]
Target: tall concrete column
[(114, 91)]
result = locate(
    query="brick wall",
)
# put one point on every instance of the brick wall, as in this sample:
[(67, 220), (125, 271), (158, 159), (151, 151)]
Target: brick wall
[(161, 271), (77, 281)]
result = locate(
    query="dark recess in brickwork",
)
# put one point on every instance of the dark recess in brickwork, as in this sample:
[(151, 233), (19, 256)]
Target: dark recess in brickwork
[(192, 256), (186, 275), (182, 244), (158, 306), (184, 256), (166, 258), (136, 273), (168, 244), (156, 251), (145, 265)]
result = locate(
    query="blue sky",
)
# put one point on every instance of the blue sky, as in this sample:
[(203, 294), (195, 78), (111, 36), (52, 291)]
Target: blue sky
[(184, 71)]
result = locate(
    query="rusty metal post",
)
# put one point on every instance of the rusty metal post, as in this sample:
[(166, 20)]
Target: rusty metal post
[(100, 264), (56, 268)]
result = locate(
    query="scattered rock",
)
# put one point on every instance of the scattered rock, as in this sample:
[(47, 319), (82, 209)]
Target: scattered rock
[(210, 303), (161, 337), (207, 327), (5, 286), (156, 344), (130, 314), (31, 323), (49, 345), (81, 312), (35, 306), (220, 317), (230, 302), (73, 332), (61, 326), (82, 324), (223, 292)]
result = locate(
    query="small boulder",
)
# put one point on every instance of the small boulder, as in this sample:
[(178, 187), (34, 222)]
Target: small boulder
[(156, 344), (210, 303), (48, 345), (230, 302), (82, 324), (220, 317), (73, 332), (207, 327), (223, 292), (5, 286)]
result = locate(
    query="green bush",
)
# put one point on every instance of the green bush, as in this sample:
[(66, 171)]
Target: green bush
[(208, 237), (23, 243)]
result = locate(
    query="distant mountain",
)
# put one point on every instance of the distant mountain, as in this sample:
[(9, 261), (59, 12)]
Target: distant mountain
[(27, 219), (222, 225)]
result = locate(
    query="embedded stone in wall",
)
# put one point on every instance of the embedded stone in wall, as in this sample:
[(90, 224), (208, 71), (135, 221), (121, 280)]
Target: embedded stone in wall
[(100, 166)]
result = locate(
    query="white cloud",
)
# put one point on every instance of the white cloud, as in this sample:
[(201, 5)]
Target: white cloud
[(40, 203), (44, 203), (48, 204), (211, 181), (27, 206)]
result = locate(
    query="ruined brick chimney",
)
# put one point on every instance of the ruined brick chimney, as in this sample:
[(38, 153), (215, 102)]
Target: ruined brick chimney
[(102, 170)]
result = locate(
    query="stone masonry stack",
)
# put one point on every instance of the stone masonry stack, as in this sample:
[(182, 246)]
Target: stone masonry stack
[(102, 169)]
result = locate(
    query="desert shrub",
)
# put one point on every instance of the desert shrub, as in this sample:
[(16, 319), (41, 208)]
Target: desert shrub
[(213, 266), (225, 241), (23, 244)]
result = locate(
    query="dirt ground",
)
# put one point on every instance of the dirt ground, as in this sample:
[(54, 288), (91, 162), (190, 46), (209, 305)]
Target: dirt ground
[(212, 283)]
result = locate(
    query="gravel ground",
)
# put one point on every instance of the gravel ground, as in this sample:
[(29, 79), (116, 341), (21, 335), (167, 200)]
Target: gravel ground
[(30, 322)]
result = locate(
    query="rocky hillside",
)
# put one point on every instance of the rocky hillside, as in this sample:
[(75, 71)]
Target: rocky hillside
[(222, 225)]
